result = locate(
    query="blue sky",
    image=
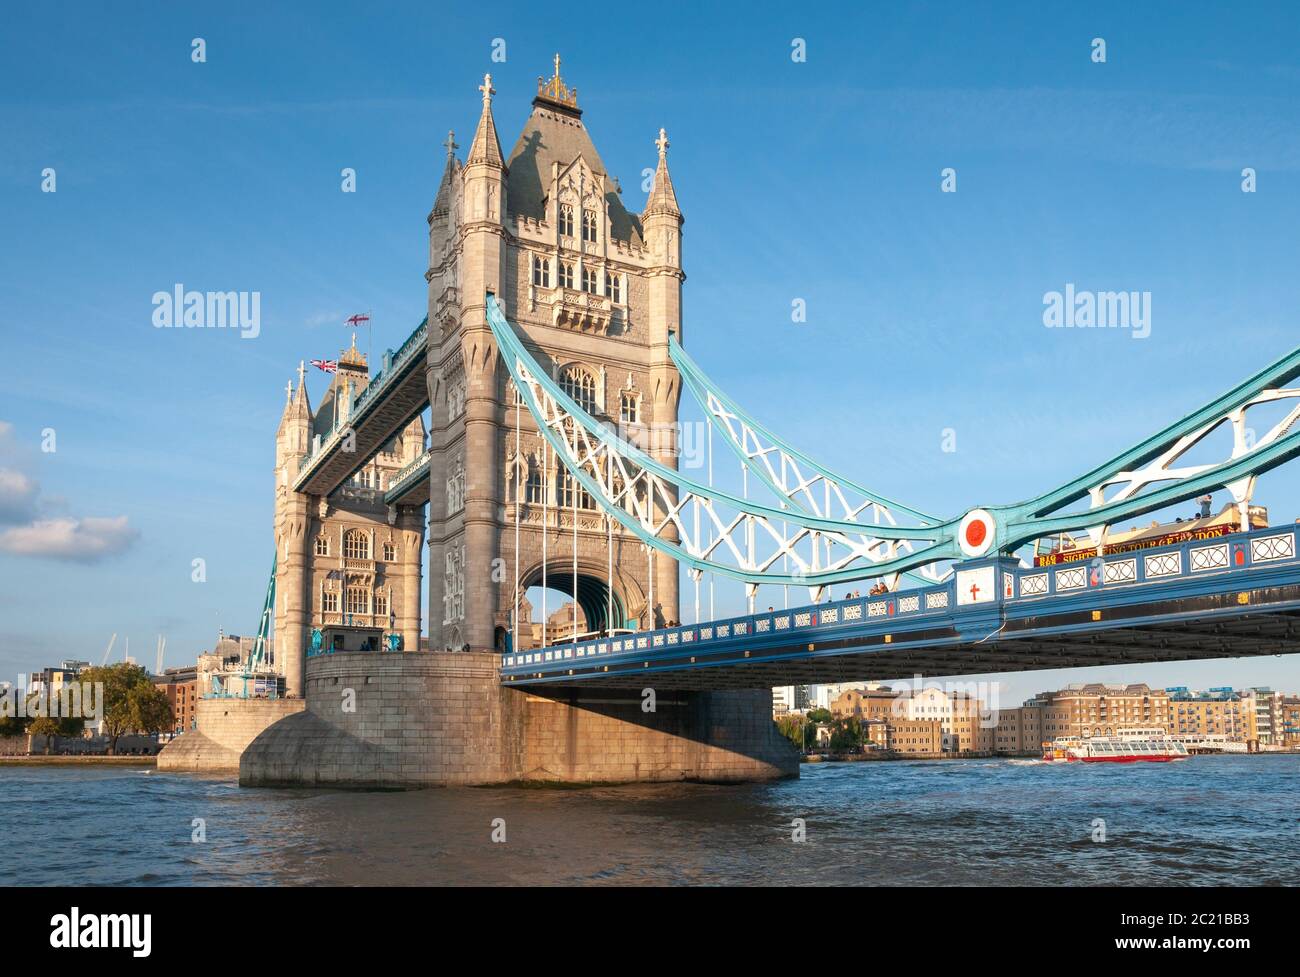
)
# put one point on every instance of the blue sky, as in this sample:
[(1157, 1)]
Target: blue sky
[(816, 180)]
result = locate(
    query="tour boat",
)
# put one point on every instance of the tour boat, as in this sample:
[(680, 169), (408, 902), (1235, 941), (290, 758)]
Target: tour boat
[(1126, 746)]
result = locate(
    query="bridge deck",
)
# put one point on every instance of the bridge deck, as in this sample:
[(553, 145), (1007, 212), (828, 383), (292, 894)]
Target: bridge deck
[(395, 397), (1232, 596)]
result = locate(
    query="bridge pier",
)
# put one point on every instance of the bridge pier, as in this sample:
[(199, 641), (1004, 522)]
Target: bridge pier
[(440, 719)]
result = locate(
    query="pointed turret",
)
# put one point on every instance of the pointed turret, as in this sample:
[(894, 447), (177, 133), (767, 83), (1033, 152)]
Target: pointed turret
[(297, 408), (442, 202), (486, 148), (663, 199), (302, 406), (294, 434)]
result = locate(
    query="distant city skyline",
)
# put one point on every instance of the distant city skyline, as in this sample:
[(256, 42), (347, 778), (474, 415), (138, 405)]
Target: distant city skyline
[(128, 451)]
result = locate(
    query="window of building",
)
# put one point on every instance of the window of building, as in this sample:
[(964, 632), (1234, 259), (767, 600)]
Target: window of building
[(381, 604), (541, 271), (589, 282), (329, 602), (581, 386), (390, 552), (566, 220), (589, 225), (566, 275), (628, 408), (322, 546), (614, 288), (357, 601), (533, 487), (356, 545), (569, 487)]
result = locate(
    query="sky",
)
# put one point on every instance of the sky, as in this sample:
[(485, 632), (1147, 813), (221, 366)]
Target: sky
[(816, 180)]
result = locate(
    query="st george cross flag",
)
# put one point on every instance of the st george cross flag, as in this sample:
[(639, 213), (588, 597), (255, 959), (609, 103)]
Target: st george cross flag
[(329, 366), (356, 320)]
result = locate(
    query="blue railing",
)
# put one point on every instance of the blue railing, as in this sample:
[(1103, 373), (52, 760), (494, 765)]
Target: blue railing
[(1181, 569)]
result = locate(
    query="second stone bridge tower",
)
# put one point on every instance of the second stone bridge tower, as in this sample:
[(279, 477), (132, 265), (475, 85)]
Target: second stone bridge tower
[(597, 290)]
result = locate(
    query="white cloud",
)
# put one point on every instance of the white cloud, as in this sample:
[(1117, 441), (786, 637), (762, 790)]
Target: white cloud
[(32, 525), (17, 496), (79, 540)]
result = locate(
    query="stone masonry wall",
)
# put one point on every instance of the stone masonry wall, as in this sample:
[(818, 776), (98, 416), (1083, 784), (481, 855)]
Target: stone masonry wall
[(225, 728), (444, 719)]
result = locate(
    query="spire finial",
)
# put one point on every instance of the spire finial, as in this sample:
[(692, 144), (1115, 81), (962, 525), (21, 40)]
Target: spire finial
[(662, 143), (288, 392), (302, 371), (487, 90), (451, 143), (555, 90)]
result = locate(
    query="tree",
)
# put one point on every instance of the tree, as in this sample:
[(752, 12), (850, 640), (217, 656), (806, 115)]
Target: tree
[(47, 727), (820, 716), (132, 703), (792, 727), (845, 736)]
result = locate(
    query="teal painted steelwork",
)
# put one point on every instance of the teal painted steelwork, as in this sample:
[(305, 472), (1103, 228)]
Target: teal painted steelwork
[(1014, 524), (516, 356), (702, 388), (257, 656)]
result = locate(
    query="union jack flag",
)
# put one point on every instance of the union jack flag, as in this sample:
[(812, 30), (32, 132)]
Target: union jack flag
[(329, 366), (356, 320)]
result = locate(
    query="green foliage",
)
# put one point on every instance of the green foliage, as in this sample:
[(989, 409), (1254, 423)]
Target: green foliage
[(820, 716), (44, 726), (846, 736), (792, 727), (131, 702)]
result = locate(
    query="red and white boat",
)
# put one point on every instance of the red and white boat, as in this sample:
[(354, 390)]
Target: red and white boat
[(1126, 746)]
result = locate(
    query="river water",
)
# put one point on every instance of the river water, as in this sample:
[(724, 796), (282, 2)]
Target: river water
[(1209, 820)]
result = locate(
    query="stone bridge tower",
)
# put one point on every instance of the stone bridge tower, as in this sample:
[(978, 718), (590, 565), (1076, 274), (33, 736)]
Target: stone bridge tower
[(348, 566), (597, 290)]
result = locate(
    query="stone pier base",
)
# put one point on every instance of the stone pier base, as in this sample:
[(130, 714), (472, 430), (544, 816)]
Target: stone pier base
[(418, 720), (225, 728)]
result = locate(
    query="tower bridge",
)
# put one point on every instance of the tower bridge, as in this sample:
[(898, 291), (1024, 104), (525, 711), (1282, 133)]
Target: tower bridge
[(553, 342)]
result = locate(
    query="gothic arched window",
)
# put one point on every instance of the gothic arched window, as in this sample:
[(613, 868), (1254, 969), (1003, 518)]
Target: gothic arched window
[(614, 288), (533, 488), (569, 487), (589, 280), (629, 408), (566, 220), (541, 271), (589, 226), (566, 275), (357, 600), (356, 545), (581, 386), (322, 546)]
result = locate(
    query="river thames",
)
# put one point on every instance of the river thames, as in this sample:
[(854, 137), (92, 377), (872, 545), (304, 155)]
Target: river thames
[(1206, 821)]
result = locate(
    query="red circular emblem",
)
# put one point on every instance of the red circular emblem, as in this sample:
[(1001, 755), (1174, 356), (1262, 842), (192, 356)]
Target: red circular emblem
[(975, 533)]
